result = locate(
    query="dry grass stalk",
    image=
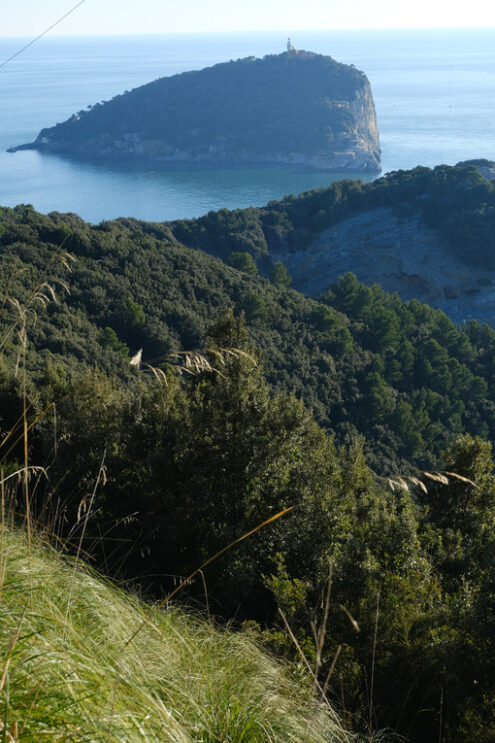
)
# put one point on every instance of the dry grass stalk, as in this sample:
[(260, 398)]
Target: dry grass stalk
[(13, 643), (437, 477), (192, 362), (398, 482), (299, 648), (321, 631), (372, 683), (320, 634), (461, 478), (351, 619), (19, 473), (42, 294)]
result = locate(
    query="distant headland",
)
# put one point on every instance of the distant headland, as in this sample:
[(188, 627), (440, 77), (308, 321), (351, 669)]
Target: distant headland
[(295, 108)]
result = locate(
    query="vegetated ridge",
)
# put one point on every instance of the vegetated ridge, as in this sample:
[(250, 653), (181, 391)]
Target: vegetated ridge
[(402, 375), (293, 108), (427, 234)]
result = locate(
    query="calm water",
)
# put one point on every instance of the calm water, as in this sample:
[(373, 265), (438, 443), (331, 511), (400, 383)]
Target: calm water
[(434, 93)]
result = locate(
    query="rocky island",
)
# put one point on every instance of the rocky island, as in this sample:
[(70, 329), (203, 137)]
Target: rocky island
[(295, 108)]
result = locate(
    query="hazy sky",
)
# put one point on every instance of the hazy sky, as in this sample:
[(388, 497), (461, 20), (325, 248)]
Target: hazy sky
[(31, 17)]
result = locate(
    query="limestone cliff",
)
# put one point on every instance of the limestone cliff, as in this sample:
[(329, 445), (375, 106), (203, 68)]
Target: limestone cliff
[(426, 233), (292, 108), (432, 241), (401, 253)]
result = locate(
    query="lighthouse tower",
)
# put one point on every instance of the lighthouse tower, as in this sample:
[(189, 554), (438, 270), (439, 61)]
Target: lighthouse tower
[(290, 46)]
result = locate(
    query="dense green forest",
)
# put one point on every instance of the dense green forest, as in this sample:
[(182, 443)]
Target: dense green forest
[(334, 407), (401, 375)]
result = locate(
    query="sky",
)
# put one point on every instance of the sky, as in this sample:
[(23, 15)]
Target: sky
[(31, 17)]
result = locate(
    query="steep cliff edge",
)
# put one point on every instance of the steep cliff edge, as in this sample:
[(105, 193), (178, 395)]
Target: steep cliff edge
[(429, 235), (426, 233), (402, 254), (292, 108)]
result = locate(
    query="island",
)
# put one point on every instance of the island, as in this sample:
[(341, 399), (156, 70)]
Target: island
[(297, 108)]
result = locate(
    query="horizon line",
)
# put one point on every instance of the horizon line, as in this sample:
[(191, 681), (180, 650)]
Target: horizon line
[(256, 31)]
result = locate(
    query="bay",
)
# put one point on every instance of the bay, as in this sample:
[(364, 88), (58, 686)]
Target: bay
[(433, 90)]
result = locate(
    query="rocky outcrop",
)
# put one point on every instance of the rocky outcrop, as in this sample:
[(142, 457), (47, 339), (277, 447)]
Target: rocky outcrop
[(486, 167), (294, 108), (402, 254)]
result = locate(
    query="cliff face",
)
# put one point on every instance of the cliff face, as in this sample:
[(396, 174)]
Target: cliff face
[(401, 253), (435, 244), (301, 109), (426, 233)]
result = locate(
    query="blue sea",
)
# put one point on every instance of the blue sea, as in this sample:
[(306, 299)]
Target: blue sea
[(434, 93)]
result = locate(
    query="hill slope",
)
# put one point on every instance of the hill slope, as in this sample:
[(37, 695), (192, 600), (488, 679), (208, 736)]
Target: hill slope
[(72, 676), (400, 374), (298, 108), (195, 463), (426, 233)]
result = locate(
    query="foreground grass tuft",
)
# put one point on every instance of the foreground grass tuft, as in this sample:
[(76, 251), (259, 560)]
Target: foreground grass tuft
[(67, 674)]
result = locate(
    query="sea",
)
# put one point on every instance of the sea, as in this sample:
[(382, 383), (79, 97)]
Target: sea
[(434, 93)]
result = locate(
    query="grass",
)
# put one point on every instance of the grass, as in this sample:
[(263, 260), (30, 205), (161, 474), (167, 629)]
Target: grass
[(68, 672)]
